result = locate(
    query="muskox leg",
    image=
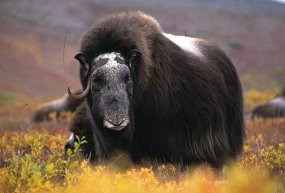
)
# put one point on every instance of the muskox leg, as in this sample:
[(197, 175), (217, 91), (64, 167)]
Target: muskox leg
[(78, 147), (69, 145), (82, 135), (81, 147)]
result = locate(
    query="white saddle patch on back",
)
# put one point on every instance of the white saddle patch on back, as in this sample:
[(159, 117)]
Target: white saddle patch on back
[(186, 43), (60, 103), (280, 101)]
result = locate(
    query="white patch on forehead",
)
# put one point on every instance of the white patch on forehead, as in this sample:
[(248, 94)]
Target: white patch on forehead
[(186, 43), (111, 59), (111, 65), (109, 56)]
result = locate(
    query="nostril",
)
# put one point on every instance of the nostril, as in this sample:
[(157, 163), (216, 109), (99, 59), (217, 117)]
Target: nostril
[(116, 121)]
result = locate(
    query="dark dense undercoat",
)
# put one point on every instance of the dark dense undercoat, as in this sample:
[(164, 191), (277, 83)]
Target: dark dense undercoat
[(186, 109)]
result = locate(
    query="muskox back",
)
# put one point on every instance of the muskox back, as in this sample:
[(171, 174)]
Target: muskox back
[(193, 108)]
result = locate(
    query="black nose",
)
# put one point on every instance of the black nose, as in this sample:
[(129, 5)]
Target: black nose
[(117, 121), (116, 118)]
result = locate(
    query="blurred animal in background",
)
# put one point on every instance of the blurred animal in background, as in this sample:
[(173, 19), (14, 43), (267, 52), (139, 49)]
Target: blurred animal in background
[(273, 108), (65, 103), (156, 96)]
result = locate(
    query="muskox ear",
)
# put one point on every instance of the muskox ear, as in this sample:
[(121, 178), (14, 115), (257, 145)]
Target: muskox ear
[(134, 57), (83, 61)]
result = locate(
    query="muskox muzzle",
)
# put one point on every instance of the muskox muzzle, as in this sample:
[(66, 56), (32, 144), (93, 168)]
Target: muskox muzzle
[(117, 121)]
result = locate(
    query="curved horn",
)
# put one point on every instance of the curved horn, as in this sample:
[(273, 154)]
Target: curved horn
[(83, 94)]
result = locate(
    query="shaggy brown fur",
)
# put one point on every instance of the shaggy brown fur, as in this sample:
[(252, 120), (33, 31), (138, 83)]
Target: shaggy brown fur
[(186, 109)]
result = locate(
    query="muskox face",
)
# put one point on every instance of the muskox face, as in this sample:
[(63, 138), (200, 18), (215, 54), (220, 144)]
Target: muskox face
[(111, 90), (110, 85)]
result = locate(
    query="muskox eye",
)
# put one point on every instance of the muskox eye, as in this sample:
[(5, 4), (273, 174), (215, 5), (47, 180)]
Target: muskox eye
[(135, 55), (98, 81)]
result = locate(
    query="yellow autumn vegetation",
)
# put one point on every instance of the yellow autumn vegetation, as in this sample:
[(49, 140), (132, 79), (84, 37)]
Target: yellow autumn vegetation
[(33, 163), (31, 160), (254, 97)]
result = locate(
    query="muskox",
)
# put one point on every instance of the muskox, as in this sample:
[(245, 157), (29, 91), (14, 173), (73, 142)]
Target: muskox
[(156, 96), (65, 103), (272, 109)]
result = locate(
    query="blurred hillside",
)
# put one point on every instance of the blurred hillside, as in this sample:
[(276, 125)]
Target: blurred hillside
[(38, 38)]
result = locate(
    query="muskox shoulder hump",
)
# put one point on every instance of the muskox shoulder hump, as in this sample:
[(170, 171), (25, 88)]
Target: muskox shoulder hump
[(137, 20)]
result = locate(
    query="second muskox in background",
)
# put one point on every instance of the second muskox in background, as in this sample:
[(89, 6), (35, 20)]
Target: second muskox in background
[(271, 109)]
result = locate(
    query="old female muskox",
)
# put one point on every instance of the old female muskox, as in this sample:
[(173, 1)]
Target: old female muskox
[(156, 96)]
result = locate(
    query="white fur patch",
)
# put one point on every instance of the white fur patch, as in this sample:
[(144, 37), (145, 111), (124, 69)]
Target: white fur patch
[(280, 101), (186, 43), (60, 103), (111, 59), (71, 137), (112, 66)]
